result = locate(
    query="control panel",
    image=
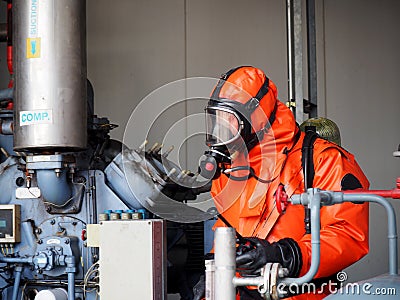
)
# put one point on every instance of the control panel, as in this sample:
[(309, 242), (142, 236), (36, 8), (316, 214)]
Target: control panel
[(10, 224)]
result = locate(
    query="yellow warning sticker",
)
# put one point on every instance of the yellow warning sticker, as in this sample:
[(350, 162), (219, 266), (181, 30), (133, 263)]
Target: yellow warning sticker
[(32, 47)]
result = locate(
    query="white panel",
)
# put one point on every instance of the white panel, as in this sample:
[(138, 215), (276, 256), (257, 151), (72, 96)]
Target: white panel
[(93, 235), (131, 264)]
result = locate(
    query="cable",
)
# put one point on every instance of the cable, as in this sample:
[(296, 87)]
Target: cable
[(90, 271), (23, 290)]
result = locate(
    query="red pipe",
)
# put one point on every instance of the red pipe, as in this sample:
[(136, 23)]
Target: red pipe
[(395, 193), (10, 60), (9, 39)]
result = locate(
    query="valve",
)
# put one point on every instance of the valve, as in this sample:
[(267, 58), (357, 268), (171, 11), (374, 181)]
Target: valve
[(45, 260), (281, 199), (83, 235)]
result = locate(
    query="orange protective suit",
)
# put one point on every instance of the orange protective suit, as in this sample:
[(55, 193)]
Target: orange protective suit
[(250, 207)]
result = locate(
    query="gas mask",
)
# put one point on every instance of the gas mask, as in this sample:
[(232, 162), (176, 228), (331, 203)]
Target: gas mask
[(229, 131)]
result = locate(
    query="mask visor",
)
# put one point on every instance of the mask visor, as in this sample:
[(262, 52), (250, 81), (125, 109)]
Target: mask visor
[(223, 126)]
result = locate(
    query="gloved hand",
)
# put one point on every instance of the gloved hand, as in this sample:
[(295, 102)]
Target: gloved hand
[(253, 253), (199, 290), (182, 193)]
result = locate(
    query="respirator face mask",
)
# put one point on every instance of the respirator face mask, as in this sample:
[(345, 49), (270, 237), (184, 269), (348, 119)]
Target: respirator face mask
[(229, 129), (229, 132), (223, 127), (223, 137)]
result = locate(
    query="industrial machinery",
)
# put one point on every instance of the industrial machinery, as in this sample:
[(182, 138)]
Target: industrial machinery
[(61, 172)]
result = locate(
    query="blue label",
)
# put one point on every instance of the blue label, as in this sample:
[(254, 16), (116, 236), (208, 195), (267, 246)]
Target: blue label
[(35, 117)]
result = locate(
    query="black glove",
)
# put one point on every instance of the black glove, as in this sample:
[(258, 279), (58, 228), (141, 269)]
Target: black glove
[(254, 253), (182, 193), (199, 290)]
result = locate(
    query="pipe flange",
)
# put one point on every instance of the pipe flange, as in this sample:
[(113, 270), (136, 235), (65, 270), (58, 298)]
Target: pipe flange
[(270, 273), (264, 288)]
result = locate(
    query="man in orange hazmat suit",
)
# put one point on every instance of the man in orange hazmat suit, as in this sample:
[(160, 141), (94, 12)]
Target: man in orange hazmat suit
[(255, 146)]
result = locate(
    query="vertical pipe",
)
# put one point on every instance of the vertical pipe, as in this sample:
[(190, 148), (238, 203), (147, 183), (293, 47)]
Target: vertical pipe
[(71, 286), (9, 39), (295, 56), (17, 280), (311, 58), (225, 263), (289, 29), (314, 205), (70, 270)]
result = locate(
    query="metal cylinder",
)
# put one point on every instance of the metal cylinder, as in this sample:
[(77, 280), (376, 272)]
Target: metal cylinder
[(50, 80), (52, 294), (225, 263)]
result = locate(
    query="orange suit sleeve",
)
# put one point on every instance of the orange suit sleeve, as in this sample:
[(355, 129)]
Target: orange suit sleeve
[(344, 227)]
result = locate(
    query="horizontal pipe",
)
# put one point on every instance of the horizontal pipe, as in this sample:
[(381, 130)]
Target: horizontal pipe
[(248, 281), (395, 193), (18, 260)]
